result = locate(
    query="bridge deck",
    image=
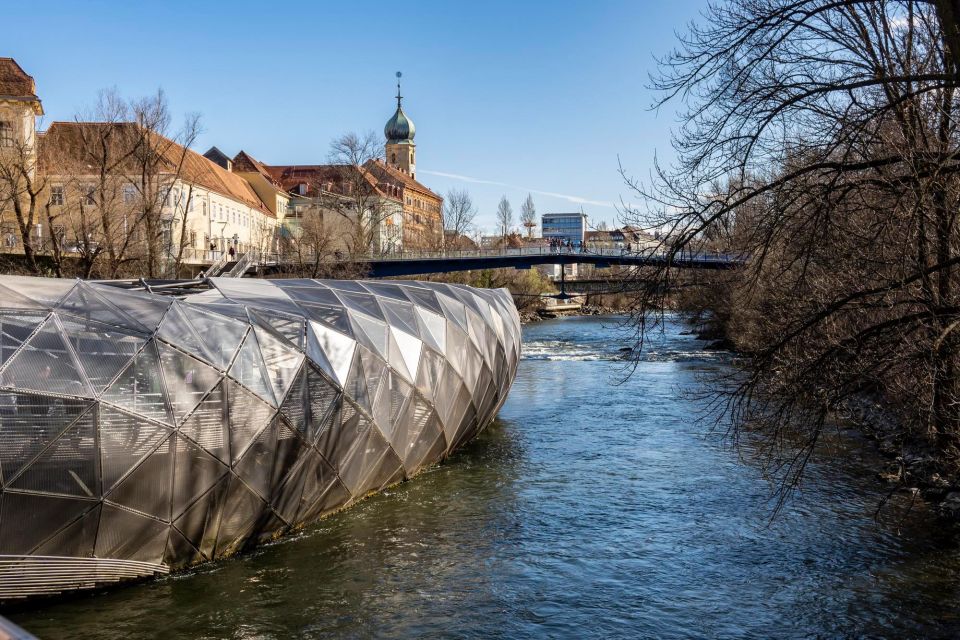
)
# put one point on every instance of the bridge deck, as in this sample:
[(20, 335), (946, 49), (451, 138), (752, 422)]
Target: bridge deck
[(407, 264)]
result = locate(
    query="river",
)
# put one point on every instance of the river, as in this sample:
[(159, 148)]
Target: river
[(589, 509)]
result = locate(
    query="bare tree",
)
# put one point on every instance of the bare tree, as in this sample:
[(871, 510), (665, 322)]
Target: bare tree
[(350, 188), (528, 215), (459, 213), (504, 216), (21, 189), (821, 140)]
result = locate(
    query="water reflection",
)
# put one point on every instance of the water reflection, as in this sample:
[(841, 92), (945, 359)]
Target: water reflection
[(589, 510)]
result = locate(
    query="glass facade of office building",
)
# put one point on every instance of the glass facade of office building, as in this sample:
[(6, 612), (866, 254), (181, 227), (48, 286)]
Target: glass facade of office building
[(565, 226), (141, 433)]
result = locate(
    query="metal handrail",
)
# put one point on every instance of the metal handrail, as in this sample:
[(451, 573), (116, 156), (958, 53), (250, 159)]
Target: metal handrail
[(217, 265), (247, 260)]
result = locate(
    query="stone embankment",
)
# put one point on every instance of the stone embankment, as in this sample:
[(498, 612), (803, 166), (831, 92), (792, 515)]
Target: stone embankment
[(527, 317)]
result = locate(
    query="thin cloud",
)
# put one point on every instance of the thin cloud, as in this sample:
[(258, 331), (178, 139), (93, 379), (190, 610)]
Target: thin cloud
[(561, 196)]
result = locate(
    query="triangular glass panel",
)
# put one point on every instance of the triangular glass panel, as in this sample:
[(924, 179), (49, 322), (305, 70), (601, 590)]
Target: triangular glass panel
[(195, 472), (241, 511), (180, 553), (286, 499), (409, 348), (130, 536), (401, 315), (331, 351), (334, 317), (256, 292), (345, 285), (147, 488), (428, 376), (290, 449), (356, 387), (318, 476), (207, 425), (102, 351), (124, 440), (30, 422), (201, 521), (248, 369), (28, 519), (176, 329), (47, 292), (453, 310), (140, 389), (386, 290), (397, 362), (387, 472), (290, 330), (68, 466), (357, 466), (14, 300), (256, 465), (362, 302), (187, 379), (84, 302), (344, 429), (247, 416), (423, 298), (220, 334), (457, 342), (312, 294), (45, 363), (374, 331), (433, 329), (294, 408), (421, 434), (282, 362), (321, 396), (373, 369), (15, 328), (436, 451), (145, 308), (77, 540)]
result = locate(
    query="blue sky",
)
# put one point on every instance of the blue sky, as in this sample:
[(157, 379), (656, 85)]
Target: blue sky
[(508, 97)]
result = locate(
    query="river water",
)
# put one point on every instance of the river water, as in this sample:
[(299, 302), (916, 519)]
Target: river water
[(589, 509)]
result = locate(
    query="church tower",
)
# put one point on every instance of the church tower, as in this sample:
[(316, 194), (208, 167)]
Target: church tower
[(399, 131)]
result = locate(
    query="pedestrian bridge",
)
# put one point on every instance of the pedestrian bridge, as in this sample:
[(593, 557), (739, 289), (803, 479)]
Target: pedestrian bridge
[(405, 263)]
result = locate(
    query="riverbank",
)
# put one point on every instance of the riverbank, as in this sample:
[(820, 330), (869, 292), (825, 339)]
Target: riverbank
[(538, 315), (908, 463)]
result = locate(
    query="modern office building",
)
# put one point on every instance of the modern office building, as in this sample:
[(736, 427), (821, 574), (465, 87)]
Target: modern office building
[(565, 226)]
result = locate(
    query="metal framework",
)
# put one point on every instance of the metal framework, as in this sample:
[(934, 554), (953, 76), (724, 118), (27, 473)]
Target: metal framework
[(141, 433)]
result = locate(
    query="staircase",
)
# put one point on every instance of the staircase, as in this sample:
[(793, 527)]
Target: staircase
[(238, 269)]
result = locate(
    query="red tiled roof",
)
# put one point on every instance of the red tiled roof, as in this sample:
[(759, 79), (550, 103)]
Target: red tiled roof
[(61, 149), (243, 162), (408, 181), (319, 176), (14, 81)]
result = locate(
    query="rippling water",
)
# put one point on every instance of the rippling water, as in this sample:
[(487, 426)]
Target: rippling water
[(590, 509)]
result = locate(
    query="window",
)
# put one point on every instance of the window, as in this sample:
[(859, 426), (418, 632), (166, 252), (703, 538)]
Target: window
[(129, 194), (6, 134), (90, 194), (56, 195)]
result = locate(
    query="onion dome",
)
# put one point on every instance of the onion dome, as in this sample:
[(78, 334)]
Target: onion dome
[(399, 128)]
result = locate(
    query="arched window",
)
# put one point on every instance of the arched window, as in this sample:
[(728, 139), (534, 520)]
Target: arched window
[(393, 158)]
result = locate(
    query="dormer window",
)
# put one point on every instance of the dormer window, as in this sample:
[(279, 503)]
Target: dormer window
[(7, 138)]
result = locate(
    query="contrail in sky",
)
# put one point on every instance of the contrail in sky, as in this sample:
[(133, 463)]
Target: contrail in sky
[(562, 196)]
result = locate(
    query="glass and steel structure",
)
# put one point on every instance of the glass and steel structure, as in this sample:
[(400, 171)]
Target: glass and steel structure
[(141, 433), (564, 226)]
